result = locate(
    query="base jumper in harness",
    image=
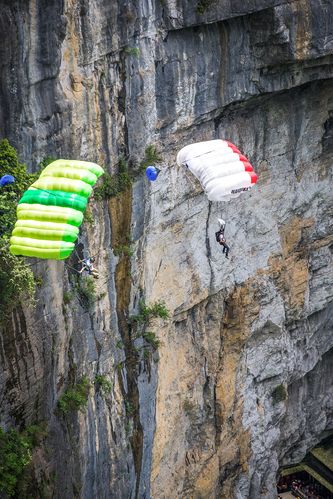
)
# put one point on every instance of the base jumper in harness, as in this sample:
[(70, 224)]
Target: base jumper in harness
[(87, 265), (221, 239)]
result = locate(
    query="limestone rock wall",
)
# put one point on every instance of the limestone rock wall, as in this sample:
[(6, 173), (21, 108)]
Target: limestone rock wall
[(199, 417)]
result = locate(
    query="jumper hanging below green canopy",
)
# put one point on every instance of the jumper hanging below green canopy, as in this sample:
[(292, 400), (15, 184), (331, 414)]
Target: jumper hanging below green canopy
[(51, 210)]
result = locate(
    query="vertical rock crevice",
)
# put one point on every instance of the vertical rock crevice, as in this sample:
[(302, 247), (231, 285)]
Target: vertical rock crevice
[(169, 74), (120, 209)]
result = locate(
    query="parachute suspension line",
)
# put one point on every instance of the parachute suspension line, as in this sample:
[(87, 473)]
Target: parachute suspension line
[(202, 154), (81, 260), (222, 223), (44, 190), (72, 268), (207, 240), (77, 255)]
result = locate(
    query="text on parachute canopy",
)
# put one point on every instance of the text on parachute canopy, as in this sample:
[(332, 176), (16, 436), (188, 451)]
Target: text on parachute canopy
[(241, 189)]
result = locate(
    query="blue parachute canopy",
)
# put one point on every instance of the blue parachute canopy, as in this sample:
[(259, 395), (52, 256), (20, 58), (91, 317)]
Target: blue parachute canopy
[(152, 172), (6, 180)]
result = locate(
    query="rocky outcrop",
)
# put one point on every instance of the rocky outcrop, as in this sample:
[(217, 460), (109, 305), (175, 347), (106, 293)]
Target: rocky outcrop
[(240, 384)]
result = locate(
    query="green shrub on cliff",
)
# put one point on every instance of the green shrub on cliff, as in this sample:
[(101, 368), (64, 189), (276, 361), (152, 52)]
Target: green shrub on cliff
[(151, 157), (123, 249), (152, 339), (112, 185), (141, 321), (86, 290), (103, 383), (76, 397), (279, 394), (132, 51), (15, 454), (16, 278), (203, 5), (146, 312)]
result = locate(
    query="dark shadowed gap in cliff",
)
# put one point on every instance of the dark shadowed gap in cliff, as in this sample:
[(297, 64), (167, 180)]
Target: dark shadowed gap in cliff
[(86, 31), (264, 99), (315, 467), (30, 97), (327, 140), (17, 353), (10, 88), (122, 100), (208, 248), (240, 309), (104, 121), (120, 215)]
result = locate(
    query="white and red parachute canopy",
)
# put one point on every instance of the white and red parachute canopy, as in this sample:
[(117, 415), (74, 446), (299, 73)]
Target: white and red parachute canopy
[(220, 167)]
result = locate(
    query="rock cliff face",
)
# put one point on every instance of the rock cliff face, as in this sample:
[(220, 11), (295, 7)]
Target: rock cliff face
[(241, 382)]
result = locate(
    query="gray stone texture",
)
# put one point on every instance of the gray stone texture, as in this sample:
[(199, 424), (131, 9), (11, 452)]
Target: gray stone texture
[(96, 80)]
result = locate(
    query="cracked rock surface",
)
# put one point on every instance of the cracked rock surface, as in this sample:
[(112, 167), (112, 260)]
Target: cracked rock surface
[(198, 417)]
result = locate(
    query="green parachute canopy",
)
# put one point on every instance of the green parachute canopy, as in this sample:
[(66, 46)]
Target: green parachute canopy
[(50, 212)]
